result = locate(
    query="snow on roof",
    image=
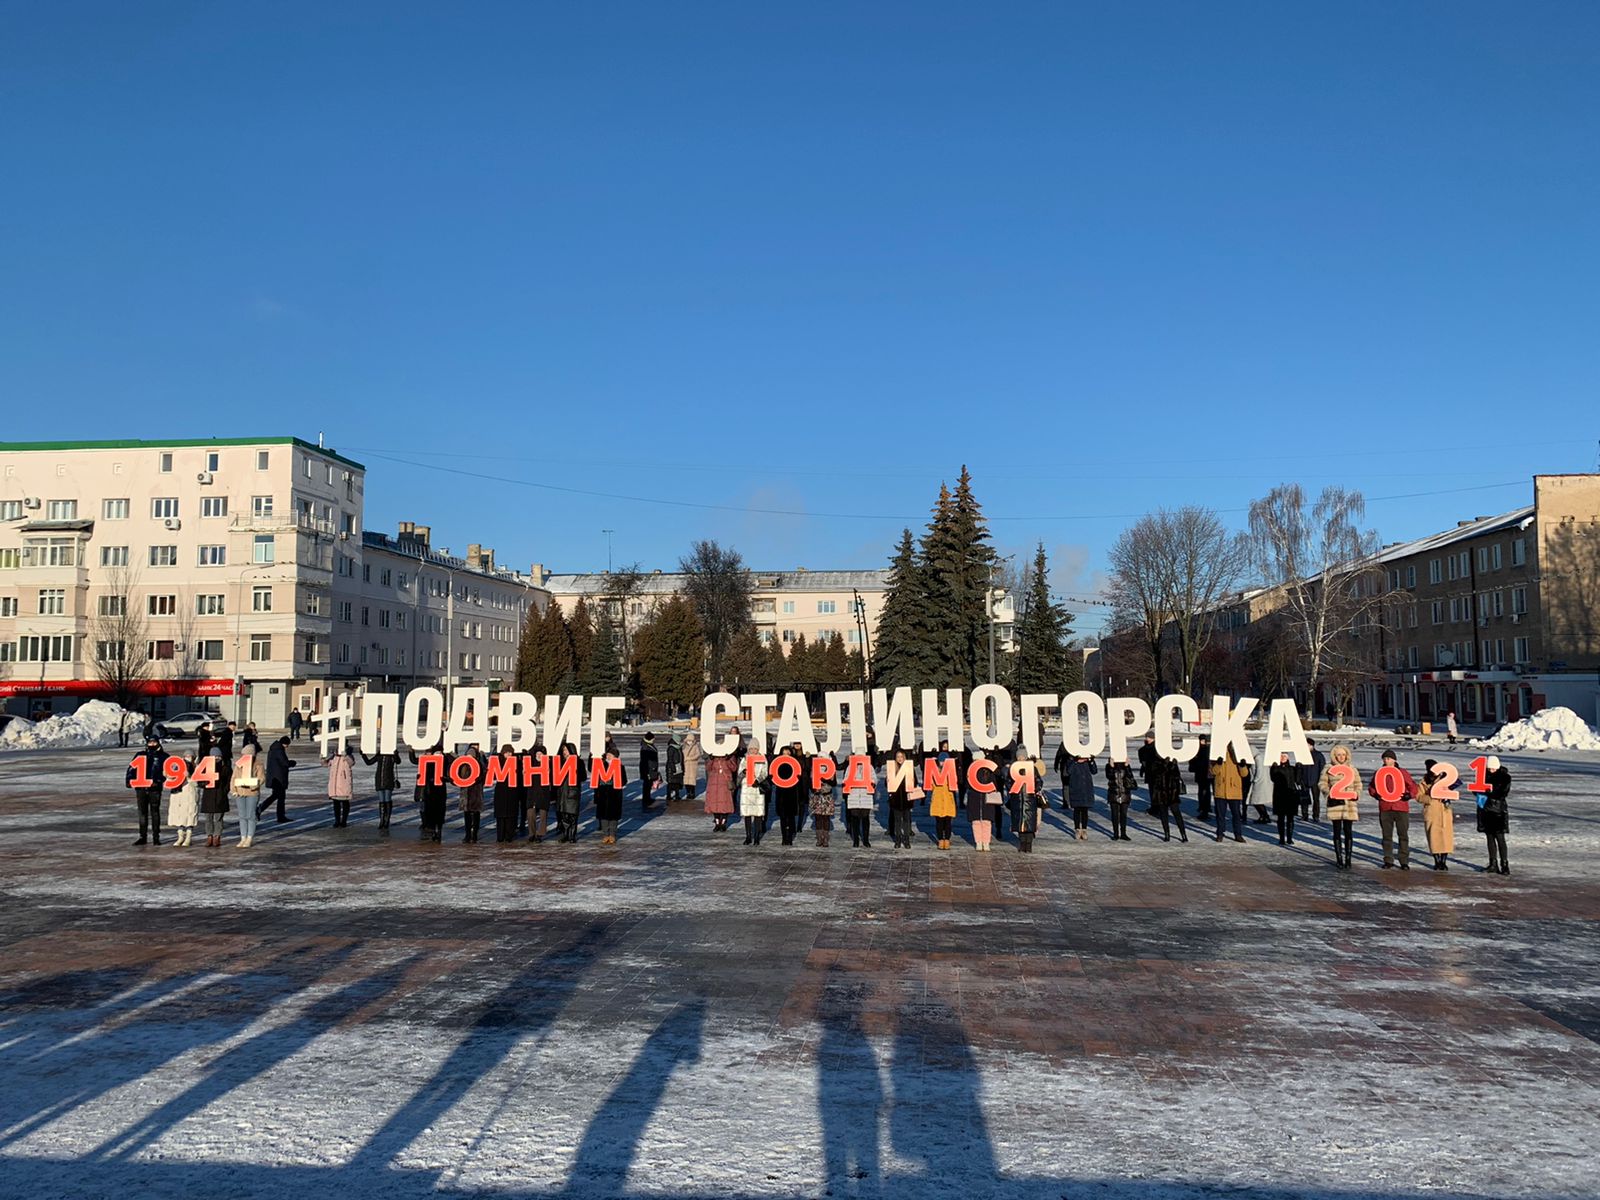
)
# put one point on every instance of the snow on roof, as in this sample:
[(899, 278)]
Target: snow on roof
[(1467, 529)]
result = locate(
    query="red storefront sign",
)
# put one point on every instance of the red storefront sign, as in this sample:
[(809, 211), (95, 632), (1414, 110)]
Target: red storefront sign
[(93, 687)]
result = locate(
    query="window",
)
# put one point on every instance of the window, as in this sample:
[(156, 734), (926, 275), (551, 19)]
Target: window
[(1499, 650), (261, 599), (110, 652), (1519, 650), (61, 510), (1413, 659), (1458, 606), (208, 604), (114, 510), (1437, 612), (113, 606), (8, 606), (164, 463), (260, 647), (384, 577), (1519, 601), (51, 648), (265, 548), (1499, 604), (10, 510), (213, 506), (308, 648), (1411, 617), (399, 619), (788, 634), (402, 581), (788, 609), (346, 611), (345, 564), (1442, 654), (52, 602), (163, 507), (160, 651), (213, 461), (263, 460), (1434, 573), (347, 524), (1394, 579), (826, 607), (208, 650), (213, 556), (9, 557), (314, 606), (399, 658), (1519, 552), (1494, 559), (161, 606), (344, 652), (383, 618), (306, 466), (163, 556), (365, 615), (50, 552), (366, 572), (1453, 566), (362, 656), (1411, 577), (113, 556), (1488, 659), (260, 506), (330, 474)]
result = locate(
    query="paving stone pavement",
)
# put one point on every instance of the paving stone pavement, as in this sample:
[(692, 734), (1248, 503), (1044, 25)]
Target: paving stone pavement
[(683, 1015)]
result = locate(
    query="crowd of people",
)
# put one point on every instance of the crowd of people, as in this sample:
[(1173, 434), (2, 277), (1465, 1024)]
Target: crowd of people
[(551, 806)]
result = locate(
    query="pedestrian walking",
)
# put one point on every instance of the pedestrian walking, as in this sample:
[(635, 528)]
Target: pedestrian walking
[(278, 764), (1285, 779), (148, 768), (183, 809), (1394, 814), (608, 800), (213, 795), (1494, 814), (385, 774), (942, 801), (1437, 820), (1309, 776), (1230, 781), (1450, 727), (824, 803), (1166, 796), (1119, 795), (649, 771), (720, 772), (294, 724), (244, 786), (1080, 793), (250, 739), (569, 792), (674, 767), (539, 794), (1200, 768), (1342, 809), (341, 784)]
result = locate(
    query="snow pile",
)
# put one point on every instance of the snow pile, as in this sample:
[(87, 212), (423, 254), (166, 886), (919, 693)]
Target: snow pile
[(96, 723), (1552, 729)]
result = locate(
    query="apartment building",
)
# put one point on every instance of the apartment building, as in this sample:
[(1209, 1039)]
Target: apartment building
[(786, 605), (237, 556)]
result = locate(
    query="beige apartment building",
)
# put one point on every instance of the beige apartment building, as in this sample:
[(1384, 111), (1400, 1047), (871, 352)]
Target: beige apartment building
[(241, 559)]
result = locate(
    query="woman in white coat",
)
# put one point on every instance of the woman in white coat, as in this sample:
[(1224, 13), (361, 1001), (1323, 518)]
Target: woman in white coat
[(183, 809), (753, 803)]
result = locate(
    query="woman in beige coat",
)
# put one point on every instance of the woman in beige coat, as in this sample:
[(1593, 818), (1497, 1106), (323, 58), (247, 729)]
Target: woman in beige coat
[(1437, 819), (691, 763), (1342, 813)]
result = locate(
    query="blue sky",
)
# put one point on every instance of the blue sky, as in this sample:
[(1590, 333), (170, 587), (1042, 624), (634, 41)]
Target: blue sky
[(811, 258)]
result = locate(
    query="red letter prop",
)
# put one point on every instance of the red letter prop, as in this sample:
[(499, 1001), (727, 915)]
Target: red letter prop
[(1480, 775), (939, 774), (605, 770), (205, 771), (823, 769), (984, 783), (536, 770), (566, 772), (501, 770), (1022, 778), (174, 772), (138, 772), (465, 771), (785, 771), (858, 774), (430, 769), (1389, 784), (751, 762), (1444, 787)]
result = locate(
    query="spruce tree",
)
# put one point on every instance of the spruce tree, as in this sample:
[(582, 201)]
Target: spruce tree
[(1044, 659), (902, 654), (835, 666), (580, 632), (855, 670), (672, 655), (746, 661), (969, 579), (544, 659), (602, 674)]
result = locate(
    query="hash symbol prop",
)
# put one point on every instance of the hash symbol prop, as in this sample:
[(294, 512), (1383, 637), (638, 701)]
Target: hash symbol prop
[(334, 723)]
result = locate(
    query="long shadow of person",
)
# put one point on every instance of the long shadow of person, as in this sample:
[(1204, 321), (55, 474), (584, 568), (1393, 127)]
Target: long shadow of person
[(933, 1070), (850, 1095), (611, 1142)]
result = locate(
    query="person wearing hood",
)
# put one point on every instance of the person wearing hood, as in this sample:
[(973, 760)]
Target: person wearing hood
[(341, 784), (1166, 796), (674, 767), (1342, 814), (1494, 814), (1119, 797), (1437, 819), (649, 771), (1080, 792), (569, 792), (147, 768)]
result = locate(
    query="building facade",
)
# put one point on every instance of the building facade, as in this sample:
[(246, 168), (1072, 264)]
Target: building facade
[(238, 559)]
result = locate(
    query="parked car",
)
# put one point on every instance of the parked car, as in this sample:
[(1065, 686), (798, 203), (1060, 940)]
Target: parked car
[(187, 724)]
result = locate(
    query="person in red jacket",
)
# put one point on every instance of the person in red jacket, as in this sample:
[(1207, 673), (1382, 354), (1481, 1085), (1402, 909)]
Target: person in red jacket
[(1394, 815)]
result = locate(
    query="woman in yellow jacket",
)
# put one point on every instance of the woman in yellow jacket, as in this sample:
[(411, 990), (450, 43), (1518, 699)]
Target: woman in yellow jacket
[(1342, 808), (1229, 777), (942, 801)]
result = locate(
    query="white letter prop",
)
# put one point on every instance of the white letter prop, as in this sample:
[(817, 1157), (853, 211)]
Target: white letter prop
[(893, 719), (1170, 709), (1033, 707), (1284, 732), (946, 724), (991, 730), (758, 706), (715, 705), (835, 703), (516, 714), (599, 708), (1126, 717), (1092, 710), (563, 722), (433, 727), (380, 723), (1227, 728), (795, 724)]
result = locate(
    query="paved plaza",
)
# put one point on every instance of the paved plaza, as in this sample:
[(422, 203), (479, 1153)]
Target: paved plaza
[(679, 1015)]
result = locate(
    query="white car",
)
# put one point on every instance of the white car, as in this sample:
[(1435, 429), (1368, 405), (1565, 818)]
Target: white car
[(187, 724)]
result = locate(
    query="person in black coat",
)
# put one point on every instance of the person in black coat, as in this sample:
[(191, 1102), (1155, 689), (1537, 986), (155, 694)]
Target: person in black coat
[(508, 797), (278, 764), (538, 795), (608, 801), (1310, 779), (1148, 757), (1200, 768), (791, 798), (1494, 814), (432, 795), (1119, 797), (148, 766), (1063, 761), (1285, 797), (385, 775), (675, 768), (649, 771), (1166, 796)]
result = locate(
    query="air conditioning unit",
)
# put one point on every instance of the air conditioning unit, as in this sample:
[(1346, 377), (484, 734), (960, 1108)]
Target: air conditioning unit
[(205, 477), (343, 537), (1516, 618), (173, 523), (31, 502)]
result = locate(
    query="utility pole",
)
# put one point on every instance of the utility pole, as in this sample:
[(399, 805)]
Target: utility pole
[(608, 533)]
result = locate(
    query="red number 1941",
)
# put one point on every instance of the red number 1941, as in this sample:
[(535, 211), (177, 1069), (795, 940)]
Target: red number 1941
[(174, 773)]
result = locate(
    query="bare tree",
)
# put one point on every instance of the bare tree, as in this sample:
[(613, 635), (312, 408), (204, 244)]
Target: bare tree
[(120, 659), (186, 662), (622, 585), (718, 587), (1326, 565), (1139, 587)]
